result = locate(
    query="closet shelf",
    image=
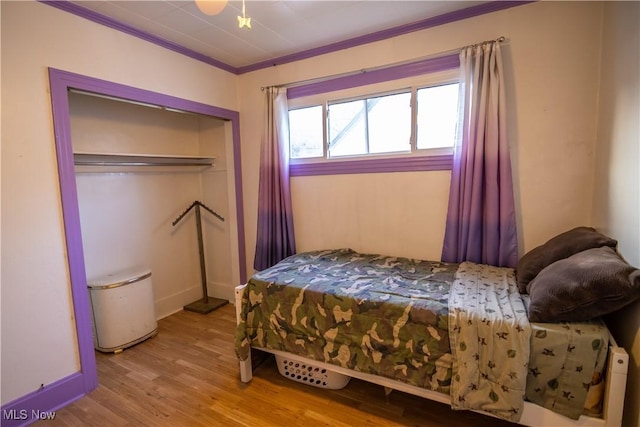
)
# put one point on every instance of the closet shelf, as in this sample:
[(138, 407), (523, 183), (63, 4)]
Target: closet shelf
[(112, 159)]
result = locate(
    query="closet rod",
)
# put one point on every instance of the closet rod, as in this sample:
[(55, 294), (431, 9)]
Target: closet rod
[(108, 159), (81, 163), (500, 39)]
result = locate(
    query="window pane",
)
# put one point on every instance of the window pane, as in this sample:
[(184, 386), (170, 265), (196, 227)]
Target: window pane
[(437, 116), (305, 132), (390, 123), (347, 134)]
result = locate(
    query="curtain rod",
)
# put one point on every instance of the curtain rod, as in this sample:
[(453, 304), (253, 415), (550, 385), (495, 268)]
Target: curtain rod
[(500, 39)]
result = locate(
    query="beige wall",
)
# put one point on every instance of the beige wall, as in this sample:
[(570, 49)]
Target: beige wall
[(552, 79), (126, 213), (552, 82), (38, 333), (616, 202)]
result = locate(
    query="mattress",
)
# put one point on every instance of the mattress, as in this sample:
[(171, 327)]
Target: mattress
[(388, 316)]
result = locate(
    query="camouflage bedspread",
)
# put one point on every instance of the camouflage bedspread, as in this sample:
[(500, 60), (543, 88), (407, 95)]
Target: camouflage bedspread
[(389, 316), (353, 310)]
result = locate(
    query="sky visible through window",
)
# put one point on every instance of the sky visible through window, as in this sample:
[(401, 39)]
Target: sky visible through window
[(437, 116)]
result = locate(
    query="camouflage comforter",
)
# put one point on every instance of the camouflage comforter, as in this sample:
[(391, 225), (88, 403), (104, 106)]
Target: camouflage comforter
[(375, 314), (387, 316)]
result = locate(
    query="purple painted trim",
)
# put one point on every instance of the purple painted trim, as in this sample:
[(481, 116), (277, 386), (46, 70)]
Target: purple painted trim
[(96, 17), (435, 21), (60, 82), (89, 84), (396, 72), (24, 411), (481, 9), (394, 164), (73, 238), (242, 260)]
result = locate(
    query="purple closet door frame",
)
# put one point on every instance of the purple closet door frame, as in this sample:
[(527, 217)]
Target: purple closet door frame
[(51, 397)]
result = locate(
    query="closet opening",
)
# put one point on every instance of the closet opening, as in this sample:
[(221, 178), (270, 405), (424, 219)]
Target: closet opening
[(130, 161)]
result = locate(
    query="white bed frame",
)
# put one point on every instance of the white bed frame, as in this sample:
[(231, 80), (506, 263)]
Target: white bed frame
[(533, 415)]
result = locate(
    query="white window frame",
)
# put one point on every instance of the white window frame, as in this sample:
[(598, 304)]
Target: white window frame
[(412, 85), (366, 97)]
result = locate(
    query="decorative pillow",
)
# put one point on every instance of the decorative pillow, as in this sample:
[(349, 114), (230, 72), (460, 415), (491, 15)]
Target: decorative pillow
[(560, 247), (586, 285)]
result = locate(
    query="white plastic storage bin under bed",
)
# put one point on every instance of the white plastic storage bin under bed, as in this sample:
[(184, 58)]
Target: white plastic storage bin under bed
[(123, 309), (304, 371)]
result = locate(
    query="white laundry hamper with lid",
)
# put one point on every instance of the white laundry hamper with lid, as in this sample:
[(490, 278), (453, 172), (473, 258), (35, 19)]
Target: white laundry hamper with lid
[(123, 310)]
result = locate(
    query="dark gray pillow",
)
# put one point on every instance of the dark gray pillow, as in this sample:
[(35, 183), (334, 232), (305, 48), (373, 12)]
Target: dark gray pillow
[(560, 247), (586, 285)]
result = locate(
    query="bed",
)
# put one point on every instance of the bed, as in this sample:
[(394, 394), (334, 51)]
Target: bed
[(454, 333)]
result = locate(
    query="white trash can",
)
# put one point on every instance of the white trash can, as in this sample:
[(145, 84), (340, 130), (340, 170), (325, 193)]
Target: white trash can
[(123, 309)]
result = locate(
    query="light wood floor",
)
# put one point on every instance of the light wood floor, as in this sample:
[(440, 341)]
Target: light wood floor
[(188, 376)]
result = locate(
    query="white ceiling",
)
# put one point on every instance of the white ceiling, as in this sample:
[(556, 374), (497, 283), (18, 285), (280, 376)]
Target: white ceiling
[(279, 28)]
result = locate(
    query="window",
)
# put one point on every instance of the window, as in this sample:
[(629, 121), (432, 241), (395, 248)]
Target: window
[(437, 116), (373, 125), (382, 124), (305, 132)]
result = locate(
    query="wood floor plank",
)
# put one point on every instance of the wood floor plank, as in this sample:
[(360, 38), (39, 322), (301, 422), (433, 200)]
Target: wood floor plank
[(188, 376)]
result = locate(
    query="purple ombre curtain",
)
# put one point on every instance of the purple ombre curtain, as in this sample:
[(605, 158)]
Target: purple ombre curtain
[(481, 220), (275, 239)]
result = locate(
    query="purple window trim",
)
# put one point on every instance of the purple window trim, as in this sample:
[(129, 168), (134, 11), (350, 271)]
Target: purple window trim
[(481, 9), (394, 164), (395, 72), (60, 81), (379, 165)]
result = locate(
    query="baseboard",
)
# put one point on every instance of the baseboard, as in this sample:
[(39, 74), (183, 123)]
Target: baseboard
[(42, 404), (173, 303), (221, 290)]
